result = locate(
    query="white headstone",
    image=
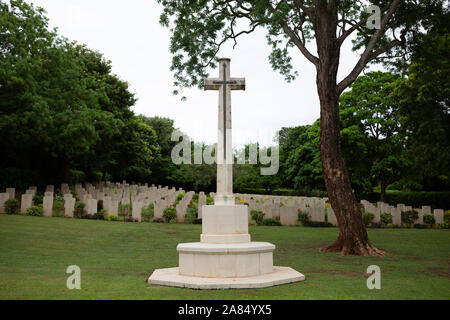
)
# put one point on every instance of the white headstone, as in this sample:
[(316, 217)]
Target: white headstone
[(27, 201), (11, 192), (137, 211), (48, 206), (69, 206), (3, 198), (92, 206)]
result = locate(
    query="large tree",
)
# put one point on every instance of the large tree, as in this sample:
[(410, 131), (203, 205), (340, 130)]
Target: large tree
[(371, 129), (200, 27)]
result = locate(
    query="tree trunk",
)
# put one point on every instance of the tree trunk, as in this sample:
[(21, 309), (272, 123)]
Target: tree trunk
[(383, 190), (353, 237)]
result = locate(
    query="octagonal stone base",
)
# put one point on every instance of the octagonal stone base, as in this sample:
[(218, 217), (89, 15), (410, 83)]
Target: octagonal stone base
[(171, 277), (225, 260)]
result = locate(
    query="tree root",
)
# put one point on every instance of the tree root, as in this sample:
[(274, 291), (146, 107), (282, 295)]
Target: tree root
[(358, 249)]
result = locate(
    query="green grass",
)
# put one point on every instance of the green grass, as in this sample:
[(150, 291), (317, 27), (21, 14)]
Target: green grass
[(116, 258)]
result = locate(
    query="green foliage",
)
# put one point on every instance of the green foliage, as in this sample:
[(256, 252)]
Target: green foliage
[(447, 216), (304, 217), (412, 198), (257, 216), (12, 206), (58, 207), (62, 106), (79, 210), (35, 211), (373, 147), (124, 209), (409, 217), (424, 105), (270, 222), (170, 214), (148, 213), (179, 197), (112, 217), (209, 200), (367, 218), (191, 212), (429, 219), (38, 199), (386, 218), (76, 176)]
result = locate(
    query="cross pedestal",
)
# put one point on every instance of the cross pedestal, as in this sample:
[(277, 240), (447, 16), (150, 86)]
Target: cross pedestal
[(225, 257)]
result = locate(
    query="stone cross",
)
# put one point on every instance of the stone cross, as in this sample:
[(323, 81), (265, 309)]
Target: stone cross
[(224, 84)]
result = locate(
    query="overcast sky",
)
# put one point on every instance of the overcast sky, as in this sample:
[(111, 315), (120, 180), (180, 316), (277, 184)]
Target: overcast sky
[(129, 34)]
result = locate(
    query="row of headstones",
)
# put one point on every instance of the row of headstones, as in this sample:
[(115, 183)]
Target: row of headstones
[(135, 195), (396, 212), (110, 193), (286, 209)]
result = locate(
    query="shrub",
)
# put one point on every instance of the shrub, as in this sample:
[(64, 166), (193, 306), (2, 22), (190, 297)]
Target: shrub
[(408, 217), (191, 213), (178, 198), (148, 212), (112, 217), (447, 216), (38, 199), (271, 222), (197, 221), (318, 224), (209, 200), (367, 218), (195, 197), (303, 217), (34, 211), (76, 176), (428, 219), (80, 210), (12, 206), (386, 218), (420, 226), (444, 225), (58, 207), (124, 209), (98, 215), (170, 214), (258, 216), (158, 220)]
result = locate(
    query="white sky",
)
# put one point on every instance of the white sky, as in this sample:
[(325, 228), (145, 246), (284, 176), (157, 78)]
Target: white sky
[(129, 34)]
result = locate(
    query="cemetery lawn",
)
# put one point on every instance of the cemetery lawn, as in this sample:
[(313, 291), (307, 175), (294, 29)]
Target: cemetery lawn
[(116, 258)]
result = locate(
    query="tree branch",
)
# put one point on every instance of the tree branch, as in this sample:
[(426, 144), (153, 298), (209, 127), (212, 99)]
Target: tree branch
[(367, 54), (300, 45)]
